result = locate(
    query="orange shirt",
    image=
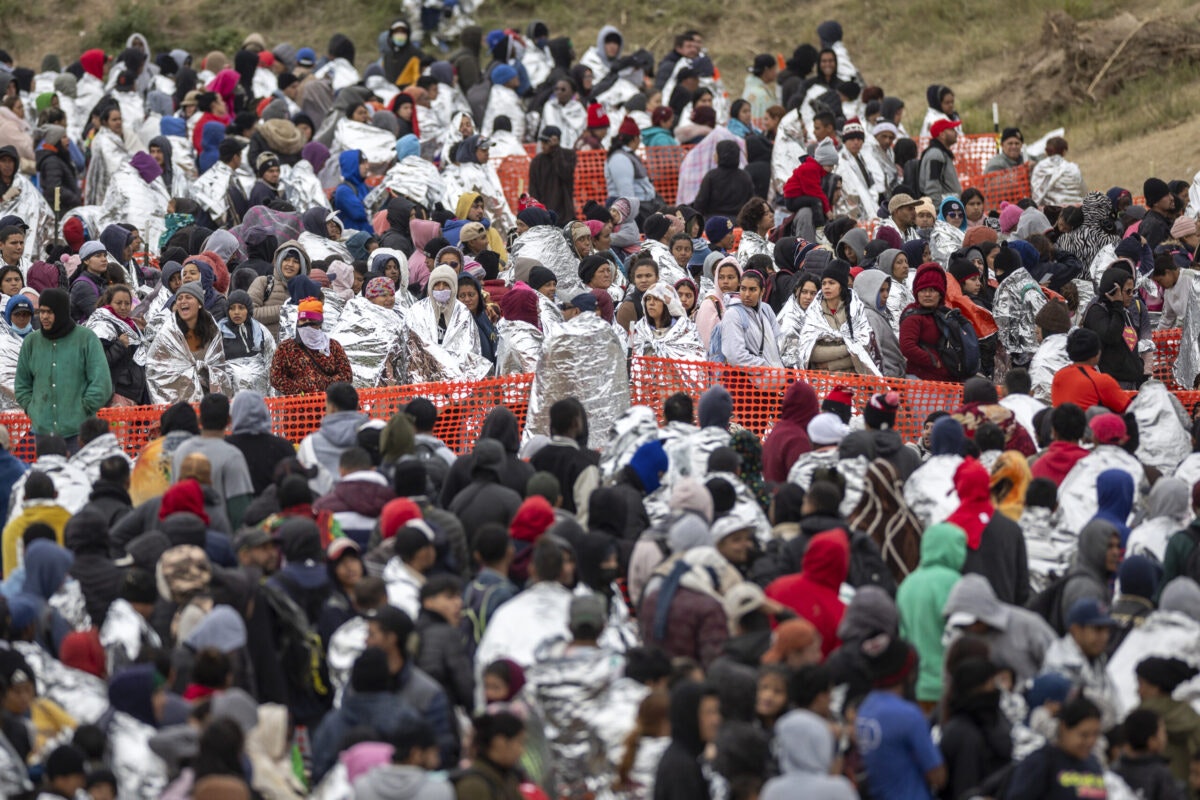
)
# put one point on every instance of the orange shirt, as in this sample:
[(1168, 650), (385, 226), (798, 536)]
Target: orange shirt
[(1086, 386)]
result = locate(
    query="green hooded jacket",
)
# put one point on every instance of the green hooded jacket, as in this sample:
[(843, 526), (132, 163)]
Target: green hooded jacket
[(922, 596)]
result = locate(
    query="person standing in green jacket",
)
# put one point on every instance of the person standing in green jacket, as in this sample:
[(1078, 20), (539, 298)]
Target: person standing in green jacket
[(62, 374), (1180, 546), (920, 600)]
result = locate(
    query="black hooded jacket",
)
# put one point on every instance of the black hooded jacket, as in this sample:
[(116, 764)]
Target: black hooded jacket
[(99, 578), (679, 775), (501, 424), (726, 187), (397, 236)]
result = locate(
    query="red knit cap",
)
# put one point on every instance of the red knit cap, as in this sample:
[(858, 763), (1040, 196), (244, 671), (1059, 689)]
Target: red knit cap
[(629, 127), (1108, 429), (184, 496), (396, 514), (930, 276), (73, 233), (532, 519), (596, 118), (841, 394), (82, 650)]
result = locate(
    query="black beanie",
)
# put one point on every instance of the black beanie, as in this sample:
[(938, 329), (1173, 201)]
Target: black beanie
[(1007, 260), (1082, 344), (66, 760), (962, 269), (838, 270), (370, 672), (539, 276), (656, 227), (1154, 189)]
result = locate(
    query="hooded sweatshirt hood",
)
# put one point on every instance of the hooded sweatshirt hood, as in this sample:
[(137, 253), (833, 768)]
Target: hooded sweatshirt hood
[(604, 33), (872, 611), (60, 302), (341, 427), (222, 628), (728, 154), (685, 715), (1183, 596), (348, 163), (805, 743), (827, 559), (1114, 496), (249, 413), (1170, 498), (944, 545), (397, 780), (1093, 548), (973, 595), (867, 286), (489, 460), (716, 407), (975, 509), (501, 424), (291, 244), (800, 404), (46, 567)]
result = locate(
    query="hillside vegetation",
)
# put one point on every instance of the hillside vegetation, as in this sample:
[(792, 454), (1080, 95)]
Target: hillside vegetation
[(1036, 58)]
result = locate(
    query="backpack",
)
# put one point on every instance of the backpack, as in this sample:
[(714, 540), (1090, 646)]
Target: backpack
[(1047, 603), (436, 468), (715, 354), (474, 611), (300, 650), (958, 346)]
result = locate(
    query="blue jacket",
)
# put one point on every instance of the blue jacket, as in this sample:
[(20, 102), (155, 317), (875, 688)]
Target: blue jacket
[(11, 470), (385, 712), (351, 192)]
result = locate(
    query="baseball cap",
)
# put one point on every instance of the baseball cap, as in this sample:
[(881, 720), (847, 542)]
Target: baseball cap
[(587, 611), (306, 56), (1091, 612), (338, 547), (549, 132), (943, 125), (790, 637), (900, 201), (471, 231), (252, 537)]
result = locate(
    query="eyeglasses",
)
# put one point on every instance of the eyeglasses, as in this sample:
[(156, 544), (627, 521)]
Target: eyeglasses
[(954, 213)]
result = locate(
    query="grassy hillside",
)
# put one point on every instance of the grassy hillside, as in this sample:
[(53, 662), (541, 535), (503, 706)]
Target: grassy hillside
[(1034, 64)]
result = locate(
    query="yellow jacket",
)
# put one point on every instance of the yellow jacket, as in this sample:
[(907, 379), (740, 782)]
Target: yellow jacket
[(44, 511)]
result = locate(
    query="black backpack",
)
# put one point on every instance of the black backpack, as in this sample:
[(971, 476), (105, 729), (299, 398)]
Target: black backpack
[(436, 468), (1047, 603), (1191, 567), (958, 346), (300, 649)]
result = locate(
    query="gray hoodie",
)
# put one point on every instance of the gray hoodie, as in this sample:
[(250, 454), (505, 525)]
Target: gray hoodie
[(249, 413), (1091, 575), (1182, 595), (1017, 637), (806, 749), (396, 780), (866, 286)]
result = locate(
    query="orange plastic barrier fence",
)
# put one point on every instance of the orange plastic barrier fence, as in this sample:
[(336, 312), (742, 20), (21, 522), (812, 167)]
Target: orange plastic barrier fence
[(462, 408), (1010, 184), (662, 163), (1167, 351), (758, 391), (972, 151)]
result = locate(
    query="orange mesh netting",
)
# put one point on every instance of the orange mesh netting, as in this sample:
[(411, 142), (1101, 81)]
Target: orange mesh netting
[(514, 178), (1167, 351), (1009, 184), (758, 391)]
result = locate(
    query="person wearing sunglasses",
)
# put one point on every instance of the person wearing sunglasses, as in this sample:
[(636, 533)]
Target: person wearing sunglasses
[(948, 229)]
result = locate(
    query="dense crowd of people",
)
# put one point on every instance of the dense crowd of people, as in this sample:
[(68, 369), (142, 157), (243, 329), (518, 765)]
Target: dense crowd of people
[(597, 599)]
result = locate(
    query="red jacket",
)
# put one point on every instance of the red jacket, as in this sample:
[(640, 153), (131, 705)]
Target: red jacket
[(789, 438), (806, 182), (813, 594), (919, 337), (1057, 461), (1086, 386)]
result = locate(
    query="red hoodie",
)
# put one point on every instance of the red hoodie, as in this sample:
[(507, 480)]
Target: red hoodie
[(813, 594), (789, 438), (92, 62), (972, 482), (806, 182), (1057, 461)]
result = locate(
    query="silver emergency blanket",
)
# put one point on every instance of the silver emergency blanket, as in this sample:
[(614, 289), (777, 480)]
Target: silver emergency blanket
[(854, 470), (108, 154), (1167, 634), (456, 358), (34, 211), (481, 178), (1164, 437), (345, 646), (301, 186), (404, 298), (687, 455), (1018, 300), (930, 491), (745, 507), (550, 316), (253, 372), (69, 603), (1048, 546), (373, 338), (1051, 356), (133, 109), (519, 347), (791, 142), (680, 342), (571, 119), (183, 166), (131, 200), (414, 178), (753, 245), (321, 248), (669, 271), (1077, 494), (331, 312), (340, 72), (174, 375), (791, 321), (860, 343), (378, 146), (283, 225), (546, 245), (123, 633), (943, 241), (899, 298), (582, 359), (82, 695), (10, 349), (1187, 363), (1188, 470), (211, 191), (1100, 262), (141, 775), (563, 688), (634, 428), (504, 102)]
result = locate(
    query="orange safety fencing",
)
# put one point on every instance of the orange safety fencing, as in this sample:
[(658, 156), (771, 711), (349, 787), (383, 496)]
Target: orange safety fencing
[(662, 163), (1009, 184), (1166, 345), (758, 391)]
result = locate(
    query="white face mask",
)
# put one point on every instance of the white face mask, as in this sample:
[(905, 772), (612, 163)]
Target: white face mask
[(441, 295)]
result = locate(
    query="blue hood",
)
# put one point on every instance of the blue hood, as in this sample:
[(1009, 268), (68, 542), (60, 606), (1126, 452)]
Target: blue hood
[(46, 566), (348, 161), (1114, 496), (173, 126)]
